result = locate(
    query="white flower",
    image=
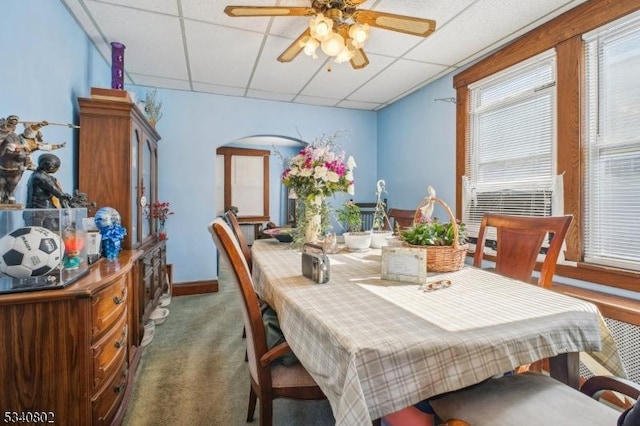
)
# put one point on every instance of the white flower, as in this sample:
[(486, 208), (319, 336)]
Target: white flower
[(351, 162), (306, 172), (349, 175), (351, 190), (320, 172), (333, 177), (293, 171)]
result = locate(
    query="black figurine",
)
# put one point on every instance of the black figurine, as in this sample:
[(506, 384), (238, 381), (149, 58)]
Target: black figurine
[(44, 192)]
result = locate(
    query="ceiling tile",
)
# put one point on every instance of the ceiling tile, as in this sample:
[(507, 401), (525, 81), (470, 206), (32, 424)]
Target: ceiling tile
[(343, 79), (289, 77), (481, 28), (399, 77), (222, 56), (153, 41)]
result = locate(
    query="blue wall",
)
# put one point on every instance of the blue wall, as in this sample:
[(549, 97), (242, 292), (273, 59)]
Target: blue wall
[(417, 147)]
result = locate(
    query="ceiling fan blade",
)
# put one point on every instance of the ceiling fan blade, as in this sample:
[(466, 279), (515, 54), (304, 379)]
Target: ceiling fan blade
[(249, 11), (294, 48), (359, 59), (400, 23)]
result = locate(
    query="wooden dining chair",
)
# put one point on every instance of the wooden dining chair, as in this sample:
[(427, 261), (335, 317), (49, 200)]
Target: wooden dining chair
[(367, 212), (518, 243), (269, 379), (232, 221), (519, 240), (533, 399), (400, 218)]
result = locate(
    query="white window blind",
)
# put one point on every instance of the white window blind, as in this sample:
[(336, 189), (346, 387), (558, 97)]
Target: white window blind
[(510, 166), (612, 139)]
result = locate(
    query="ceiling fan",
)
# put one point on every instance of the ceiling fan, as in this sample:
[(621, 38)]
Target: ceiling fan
[(338, 27)]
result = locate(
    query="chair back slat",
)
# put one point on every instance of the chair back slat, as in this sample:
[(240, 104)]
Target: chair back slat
[(232, 220), (400, 218), (519, 240)]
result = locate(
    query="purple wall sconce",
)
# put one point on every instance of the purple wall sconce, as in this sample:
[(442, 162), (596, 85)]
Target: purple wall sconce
[(117, 65)]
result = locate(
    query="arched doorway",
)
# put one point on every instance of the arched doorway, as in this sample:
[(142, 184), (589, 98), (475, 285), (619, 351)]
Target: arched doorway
[(258, 186)]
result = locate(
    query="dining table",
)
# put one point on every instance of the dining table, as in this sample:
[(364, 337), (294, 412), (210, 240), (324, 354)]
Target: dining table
[(376, 346)]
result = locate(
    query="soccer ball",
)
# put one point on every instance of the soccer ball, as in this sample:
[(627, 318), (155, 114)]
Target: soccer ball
[(31, 251)]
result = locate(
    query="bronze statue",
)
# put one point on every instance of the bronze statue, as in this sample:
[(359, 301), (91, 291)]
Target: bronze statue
[(31, 139), (44, 192), (13, 159)]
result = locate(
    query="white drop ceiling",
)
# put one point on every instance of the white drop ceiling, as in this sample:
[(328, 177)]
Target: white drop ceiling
[(192, 45)]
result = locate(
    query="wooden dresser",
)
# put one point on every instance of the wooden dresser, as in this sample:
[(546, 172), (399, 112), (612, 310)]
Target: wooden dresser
[(70, 355)]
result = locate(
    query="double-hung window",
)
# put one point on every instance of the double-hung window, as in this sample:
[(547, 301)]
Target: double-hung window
[(612, 144), (511, 152)]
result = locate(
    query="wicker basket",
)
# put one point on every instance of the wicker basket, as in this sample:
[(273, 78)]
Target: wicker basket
[(444, 258)]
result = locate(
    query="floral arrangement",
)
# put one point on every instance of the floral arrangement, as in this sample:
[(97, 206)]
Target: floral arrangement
[(320, 170), (161, 210), (153, 106)]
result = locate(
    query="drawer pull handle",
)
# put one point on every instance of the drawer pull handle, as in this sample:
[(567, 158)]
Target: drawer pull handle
[(120, 343), (120, 300), (120, 386)]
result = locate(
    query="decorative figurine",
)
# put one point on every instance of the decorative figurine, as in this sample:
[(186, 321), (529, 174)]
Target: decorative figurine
[(13, 161), (31, 139), (44, 192)]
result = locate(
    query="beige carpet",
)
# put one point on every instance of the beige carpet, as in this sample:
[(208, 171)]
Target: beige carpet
[(193, 372)]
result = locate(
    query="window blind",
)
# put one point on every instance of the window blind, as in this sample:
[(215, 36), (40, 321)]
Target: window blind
[(510, 165), (612, 139)]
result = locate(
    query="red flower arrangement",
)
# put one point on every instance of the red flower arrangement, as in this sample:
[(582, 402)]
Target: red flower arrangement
[(161, 211)]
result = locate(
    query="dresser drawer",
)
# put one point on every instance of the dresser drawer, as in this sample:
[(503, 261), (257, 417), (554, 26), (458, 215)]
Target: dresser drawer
[(106, 403), (110, 352), (108, 305)]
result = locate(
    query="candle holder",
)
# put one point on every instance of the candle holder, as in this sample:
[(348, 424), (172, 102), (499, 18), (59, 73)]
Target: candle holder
[(117, 65)]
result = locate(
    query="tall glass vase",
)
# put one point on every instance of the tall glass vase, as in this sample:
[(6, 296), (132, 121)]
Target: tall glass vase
[(313, 215)]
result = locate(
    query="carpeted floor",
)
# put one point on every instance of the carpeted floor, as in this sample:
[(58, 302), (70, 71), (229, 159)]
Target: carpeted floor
[(193, 372)]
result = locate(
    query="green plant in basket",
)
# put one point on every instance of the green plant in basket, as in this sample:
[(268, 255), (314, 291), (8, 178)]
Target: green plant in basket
[(433, 233)]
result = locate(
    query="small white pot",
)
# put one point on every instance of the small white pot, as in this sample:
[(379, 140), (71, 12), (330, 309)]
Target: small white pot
[(357, 241), (380, 238)]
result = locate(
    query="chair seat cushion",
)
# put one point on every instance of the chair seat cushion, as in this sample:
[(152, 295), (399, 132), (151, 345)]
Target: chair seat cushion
[(524, 400)]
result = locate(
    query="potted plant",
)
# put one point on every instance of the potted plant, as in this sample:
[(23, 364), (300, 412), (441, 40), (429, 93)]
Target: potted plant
[(445, 243), (354, 238), (379, 236)]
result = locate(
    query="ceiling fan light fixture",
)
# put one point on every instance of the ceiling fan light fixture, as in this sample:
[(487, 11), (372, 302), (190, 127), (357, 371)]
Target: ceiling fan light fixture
[(345, 56), (359, 33), (333, 45), (321, 27), (309, 46)]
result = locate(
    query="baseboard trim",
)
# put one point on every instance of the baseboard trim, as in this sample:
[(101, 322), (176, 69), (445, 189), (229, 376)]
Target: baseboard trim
[(194, 287)]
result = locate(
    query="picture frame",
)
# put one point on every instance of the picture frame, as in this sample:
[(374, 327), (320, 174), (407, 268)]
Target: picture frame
[(407, 264)]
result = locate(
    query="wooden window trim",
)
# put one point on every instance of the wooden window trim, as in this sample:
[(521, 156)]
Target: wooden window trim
[(564, 33), (228, 153)]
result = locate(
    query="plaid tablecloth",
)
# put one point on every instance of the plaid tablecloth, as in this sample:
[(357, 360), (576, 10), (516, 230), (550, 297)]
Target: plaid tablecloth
[(376, 346)]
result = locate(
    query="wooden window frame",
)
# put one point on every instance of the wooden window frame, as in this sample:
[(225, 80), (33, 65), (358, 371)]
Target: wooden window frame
[(228, 153), (564, 33)]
